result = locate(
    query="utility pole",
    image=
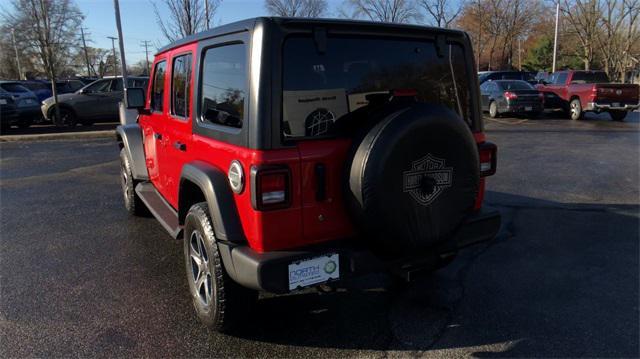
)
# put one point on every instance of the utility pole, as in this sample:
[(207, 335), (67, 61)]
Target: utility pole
[(555, 37), (206, 13), (519, 51), (116, 6), (146, 43), (15, 47), (113, 45), (86, 55)]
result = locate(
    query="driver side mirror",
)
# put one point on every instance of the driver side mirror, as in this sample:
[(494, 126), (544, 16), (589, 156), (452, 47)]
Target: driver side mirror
[(134, 98)]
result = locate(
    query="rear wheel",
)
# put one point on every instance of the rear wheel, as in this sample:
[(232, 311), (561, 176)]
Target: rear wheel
[(575, 109), (493, 109), (618, 115), (220, 303)]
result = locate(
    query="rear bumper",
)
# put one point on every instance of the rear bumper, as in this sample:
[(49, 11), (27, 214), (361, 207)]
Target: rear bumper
[(270, 271), (595, 106), (522, 108)]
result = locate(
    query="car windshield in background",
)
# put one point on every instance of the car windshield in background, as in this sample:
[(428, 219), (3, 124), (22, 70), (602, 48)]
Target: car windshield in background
[(13, 87), (321, 88), (35, 86), (515, 85), (580, 77)]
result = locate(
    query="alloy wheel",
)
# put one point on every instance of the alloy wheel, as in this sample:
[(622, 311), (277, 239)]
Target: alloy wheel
[(200, 270)]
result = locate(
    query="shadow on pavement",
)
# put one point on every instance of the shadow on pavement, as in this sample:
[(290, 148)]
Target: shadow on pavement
[(561, 280)]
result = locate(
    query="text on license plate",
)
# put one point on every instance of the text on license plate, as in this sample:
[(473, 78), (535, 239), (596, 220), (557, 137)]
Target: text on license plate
[(528, 108), (615, 104), (3, 102), (313, 271)]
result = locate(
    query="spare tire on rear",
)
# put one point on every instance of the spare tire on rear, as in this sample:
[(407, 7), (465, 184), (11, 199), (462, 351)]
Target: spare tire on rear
[(413, 177)]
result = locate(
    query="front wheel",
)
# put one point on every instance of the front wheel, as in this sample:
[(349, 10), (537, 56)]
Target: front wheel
[(132, 202), (618, 115), (67, 117), (575, 109), (220, 303)]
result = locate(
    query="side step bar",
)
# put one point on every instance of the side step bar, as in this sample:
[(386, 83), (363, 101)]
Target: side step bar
[(164, 213)]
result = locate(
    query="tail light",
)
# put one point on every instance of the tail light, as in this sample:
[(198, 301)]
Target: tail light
[(510, 95), (488, 158), (270, 187), (541, 96), (404, 92)]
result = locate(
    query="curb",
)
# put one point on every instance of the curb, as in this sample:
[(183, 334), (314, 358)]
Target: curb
[(59, 136)]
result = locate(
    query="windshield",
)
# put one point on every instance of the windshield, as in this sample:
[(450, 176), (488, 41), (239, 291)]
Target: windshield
[(515, 85), (319, 89), (582, 77)]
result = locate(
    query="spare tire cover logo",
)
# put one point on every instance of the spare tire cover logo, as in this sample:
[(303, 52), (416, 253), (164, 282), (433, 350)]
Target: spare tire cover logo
[(427, 179)]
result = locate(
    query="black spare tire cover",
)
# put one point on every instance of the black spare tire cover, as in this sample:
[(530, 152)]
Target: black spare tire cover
[(413, 177)]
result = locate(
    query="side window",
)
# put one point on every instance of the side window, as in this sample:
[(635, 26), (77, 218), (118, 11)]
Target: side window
[(181, 85), (116, 85), (484, 87), (157, 90), (561, 78), (224, 85), (98, 86)]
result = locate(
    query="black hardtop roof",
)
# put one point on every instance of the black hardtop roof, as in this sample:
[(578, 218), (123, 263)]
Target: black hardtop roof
[(248, 24)]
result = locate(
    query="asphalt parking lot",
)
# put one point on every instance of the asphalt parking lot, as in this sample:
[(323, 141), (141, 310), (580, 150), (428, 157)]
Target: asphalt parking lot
[(78, 277)]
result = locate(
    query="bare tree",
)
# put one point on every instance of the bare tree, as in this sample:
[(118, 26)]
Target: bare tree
[(186, 17), (583, 17), (296, 8), (48, 28), (399, 11), (441, 12)]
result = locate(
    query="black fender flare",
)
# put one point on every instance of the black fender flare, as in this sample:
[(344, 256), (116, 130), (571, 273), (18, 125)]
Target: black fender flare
[(130, 138), (215, 187)]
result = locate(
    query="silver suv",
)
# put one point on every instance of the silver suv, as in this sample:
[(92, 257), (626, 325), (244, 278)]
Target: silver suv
[(96, 101)]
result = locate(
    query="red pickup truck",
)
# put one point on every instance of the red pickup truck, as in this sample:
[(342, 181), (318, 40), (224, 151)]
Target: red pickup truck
[(580, 91)]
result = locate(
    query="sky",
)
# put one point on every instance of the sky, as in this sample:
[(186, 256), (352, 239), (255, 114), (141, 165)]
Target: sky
[(139, 22)]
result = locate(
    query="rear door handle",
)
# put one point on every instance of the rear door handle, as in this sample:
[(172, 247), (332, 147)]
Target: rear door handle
[(180, 146), (157, 136)]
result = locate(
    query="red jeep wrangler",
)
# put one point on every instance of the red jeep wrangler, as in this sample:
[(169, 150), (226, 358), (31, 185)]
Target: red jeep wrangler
[(289, 153)]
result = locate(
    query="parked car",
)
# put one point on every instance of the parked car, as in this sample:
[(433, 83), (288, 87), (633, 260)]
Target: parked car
[(40, 88), (579, 91), (69, 86), (530, 77), (289, 153), (510, 96), (8, 112), (27, 104), (96, 101)]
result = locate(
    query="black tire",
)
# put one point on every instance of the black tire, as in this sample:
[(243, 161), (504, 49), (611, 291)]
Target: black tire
[(132, 202), (67, 118), (220, 303), (493, 109), (575, 110), (618, 115)]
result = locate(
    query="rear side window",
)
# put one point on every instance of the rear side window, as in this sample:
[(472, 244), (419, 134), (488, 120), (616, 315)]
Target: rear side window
[(589, 78), (157, 91), (320, 89), (560, 79), (224, 81), (181, 85)]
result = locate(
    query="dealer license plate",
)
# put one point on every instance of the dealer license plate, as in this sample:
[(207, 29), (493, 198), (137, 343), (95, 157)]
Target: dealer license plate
[(528, 108), (3, 102), (615, 104), (313, 271)]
